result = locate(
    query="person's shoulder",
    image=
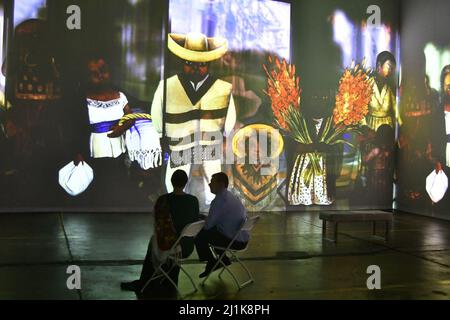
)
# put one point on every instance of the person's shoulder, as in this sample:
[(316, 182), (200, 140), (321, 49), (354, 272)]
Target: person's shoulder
[(192, 197), (123, 97), (230, 196), (223, 84), (170, 80), (162, 197)]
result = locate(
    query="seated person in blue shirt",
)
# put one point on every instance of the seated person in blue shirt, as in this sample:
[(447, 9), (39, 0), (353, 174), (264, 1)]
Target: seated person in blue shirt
[(225, 218)]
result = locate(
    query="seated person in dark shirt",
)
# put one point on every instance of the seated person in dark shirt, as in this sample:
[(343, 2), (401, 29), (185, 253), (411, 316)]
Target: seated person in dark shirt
[(225, 218), (184, 210)]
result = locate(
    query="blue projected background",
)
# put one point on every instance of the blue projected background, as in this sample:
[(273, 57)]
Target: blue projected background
[(246, 24)]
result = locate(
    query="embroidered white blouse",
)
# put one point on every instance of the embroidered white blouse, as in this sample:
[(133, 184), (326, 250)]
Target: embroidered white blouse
[(101, 145)]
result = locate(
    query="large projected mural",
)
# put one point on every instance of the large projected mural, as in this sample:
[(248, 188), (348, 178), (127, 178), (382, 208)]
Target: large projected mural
[(234, 82), (299, 103)]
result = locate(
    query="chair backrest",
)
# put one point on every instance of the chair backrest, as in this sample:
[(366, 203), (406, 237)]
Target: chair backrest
[(191, 230), (247, 225)]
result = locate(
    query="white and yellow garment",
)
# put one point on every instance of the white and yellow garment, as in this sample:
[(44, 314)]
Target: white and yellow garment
[(299, 193), (143, 144), (382, 108), (103, 115), (188, 125)]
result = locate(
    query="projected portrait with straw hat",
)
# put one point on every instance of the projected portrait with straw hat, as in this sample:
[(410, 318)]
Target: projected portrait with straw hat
[(199, 108)]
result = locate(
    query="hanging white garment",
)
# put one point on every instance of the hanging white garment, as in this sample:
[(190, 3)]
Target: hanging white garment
[(142, 142), (436, 185), (75, 179)]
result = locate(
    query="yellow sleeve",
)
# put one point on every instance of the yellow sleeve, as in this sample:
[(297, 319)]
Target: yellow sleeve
[(396, 109), (157, 109), (230, 121)]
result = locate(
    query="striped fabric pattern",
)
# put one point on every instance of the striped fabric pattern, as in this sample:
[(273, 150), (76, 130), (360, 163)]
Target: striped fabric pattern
[(202, 123)]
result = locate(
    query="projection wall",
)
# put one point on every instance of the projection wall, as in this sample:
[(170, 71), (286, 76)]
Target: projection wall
[(299, 103), (425, 85)]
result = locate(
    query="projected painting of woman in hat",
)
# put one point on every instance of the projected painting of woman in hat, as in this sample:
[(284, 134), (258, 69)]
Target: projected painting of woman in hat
[(199, 109)]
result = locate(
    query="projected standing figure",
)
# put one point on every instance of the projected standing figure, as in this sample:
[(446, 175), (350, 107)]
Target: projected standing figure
[(441, 135), (198, 107), (105, 106), (445, 103), (383, 107)]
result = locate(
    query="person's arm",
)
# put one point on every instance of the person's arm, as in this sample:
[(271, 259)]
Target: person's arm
[(76, 128), (213, 216), (117, 130), (157, 109), (372, 154), (396, 109)]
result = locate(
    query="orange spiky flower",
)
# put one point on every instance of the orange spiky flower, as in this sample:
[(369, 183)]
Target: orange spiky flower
[(283, 89), (355, 92)]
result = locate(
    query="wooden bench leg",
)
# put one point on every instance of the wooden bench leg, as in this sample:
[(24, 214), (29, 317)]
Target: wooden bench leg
[(386, 235), (324, 231), (335, 232), (324, 228)]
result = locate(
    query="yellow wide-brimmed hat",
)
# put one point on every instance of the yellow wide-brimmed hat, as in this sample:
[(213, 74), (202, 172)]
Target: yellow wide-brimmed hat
[(196, 47)]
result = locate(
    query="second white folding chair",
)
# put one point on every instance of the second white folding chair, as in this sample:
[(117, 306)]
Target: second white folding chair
[(246, 226), (175, 258)]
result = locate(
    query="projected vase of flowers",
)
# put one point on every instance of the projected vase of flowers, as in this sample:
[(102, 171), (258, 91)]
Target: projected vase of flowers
[(315, 136)]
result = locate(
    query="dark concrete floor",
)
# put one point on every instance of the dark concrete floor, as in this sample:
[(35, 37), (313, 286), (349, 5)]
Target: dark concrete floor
[(287, 256)]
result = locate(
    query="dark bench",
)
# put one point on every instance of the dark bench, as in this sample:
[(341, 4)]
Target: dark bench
[(356, 216)]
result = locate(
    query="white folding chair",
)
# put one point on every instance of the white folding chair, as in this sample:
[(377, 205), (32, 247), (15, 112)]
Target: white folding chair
[(246, 226), (175, 258)]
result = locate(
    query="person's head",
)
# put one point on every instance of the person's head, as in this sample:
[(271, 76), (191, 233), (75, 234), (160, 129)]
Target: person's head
[(445, 81), (195, 70), (386, 64), (219, 182), (179, 179), (196, 51), (98, 72)]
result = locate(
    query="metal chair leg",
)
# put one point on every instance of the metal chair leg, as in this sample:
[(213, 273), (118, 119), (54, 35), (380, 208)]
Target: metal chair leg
[(154, 276), (249, 275)]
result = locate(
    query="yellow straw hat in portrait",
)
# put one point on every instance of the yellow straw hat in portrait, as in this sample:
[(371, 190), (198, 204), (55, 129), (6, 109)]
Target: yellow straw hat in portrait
[(196, 47)]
